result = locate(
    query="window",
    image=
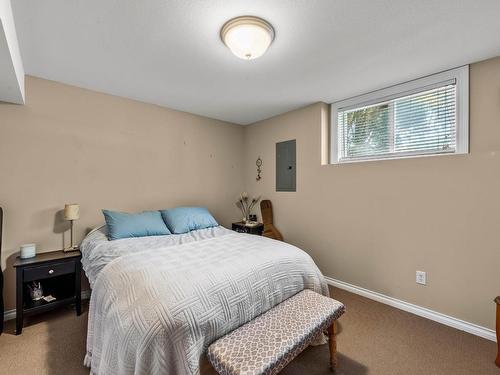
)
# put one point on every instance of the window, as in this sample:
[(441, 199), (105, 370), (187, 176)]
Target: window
[(428, 116)]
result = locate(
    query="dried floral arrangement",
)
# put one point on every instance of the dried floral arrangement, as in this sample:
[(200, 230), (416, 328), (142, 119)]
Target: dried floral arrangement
[(245, 204)]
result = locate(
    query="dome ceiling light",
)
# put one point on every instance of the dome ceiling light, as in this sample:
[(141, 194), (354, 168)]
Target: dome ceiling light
[(248, 37)]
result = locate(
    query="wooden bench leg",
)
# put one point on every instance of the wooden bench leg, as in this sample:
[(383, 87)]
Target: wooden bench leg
[(332, 342)]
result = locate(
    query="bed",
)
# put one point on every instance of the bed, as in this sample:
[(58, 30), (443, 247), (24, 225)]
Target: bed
[(158, 302)]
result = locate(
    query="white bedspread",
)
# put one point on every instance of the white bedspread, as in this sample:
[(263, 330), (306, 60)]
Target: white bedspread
[(97, 251), (155, 307)]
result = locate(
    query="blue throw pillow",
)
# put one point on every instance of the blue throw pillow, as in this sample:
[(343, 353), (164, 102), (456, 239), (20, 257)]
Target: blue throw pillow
[(125, 225), (185, 219)]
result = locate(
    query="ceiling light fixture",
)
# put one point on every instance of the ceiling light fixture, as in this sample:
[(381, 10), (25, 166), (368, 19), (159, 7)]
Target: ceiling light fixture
[(248, 37)]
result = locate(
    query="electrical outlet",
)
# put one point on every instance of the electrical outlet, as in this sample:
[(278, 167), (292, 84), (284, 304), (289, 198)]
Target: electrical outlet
[(421, 278)]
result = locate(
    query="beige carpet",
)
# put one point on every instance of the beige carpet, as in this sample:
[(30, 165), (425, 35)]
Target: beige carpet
[(373, 339)]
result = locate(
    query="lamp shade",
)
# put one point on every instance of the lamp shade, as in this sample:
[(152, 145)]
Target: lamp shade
[(72, 211)]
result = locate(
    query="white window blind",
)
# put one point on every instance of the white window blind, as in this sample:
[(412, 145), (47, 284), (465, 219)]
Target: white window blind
[(414, 119)]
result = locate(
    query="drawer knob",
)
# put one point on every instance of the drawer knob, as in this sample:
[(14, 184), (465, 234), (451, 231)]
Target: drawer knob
[(51, 272)]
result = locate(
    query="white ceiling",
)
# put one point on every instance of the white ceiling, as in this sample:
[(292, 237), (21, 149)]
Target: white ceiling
[(169, 52)]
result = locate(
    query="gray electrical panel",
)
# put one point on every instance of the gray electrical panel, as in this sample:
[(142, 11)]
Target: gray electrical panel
[(285, 166)]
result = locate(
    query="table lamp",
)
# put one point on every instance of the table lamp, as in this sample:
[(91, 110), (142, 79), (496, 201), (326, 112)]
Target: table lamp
[(71, 213)]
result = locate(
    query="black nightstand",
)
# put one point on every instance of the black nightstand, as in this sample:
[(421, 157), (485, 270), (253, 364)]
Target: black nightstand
[(242, 228), (59, 274)]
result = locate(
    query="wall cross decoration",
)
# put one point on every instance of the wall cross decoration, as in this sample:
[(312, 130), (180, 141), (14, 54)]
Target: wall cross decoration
[(258, 163)]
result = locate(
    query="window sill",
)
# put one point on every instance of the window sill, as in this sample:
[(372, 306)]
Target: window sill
[(396, 157)]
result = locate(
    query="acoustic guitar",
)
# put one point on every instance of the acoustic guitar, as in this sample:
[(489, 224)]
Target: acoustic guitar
[(266, 210)]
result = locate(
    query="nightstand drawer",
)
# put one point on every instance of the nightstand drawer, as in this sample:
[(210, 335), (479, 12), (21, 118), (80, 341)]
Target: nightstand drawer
[(242, 228), (45, 272)]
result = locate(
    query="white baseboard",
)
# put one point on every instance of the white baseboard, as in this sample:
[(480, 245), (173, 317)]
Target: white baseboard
[(417, 310), (11, 314)]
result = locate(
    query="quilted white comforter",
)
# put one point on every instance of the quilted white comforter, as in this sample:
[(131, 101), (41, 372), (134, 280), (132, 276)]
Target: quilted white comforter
[(156, 304)]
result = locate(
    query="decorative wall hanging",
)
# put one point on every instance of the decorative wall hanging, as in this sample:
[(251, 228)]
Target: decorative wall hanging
[(258, 163)]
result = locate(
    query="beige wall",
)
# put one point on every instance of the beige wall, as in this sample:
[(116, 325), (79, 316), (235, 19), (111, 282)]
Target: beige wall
[(374, 224), (73, 145), (370, 224)]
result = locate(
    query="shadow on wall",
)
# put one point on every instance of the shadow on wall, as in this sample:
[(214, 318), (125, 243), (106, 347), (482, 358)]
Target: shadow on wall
[(61, 226)]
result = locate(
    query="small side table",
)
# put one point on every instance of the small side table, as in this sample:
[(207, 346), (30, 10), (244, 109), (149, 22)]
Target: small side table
[(240, 227), (59, 274), (497, 301)]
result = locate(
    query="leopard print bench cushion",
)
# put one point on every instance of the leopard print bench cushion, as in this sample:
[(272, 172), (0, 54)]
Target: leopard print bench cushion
[(268, 343)]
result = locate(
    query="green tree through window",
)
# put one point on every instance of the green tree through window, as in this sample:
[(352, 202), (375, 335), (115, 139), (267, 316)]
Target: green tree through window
[(368, 131)]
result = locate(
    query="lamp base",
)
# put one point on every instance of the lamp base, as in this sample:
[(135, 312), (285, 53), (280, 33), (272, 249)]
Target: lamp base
[(70, 249)]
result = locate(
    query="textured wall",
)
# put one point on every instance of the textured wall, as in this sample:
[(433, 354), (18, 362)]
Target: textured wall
[(374, 224), (73, 145)]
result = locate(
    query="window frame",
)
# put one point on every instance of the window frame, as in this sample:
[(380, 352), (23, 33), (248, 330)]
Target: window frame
[(459, 76)]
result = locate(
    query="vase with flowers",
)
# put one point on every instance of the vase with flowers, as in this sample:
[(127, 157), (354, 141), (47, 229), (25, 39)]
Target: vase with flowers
[(245, 204)]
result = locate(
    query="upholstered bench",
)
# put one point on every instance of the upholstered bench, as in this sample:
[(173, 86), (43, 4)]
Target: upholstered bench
[(268, 343)]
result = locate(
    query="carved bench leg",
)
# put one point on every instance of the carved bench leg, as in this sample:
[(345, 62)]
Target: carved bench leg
[(332, 342)]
